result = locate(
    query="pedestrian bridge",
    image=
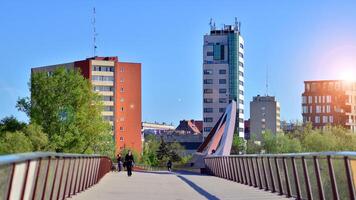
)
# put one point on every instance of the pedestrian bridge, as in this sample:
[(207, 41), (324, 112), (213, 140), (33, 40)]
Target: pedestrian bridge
[(328, 175)]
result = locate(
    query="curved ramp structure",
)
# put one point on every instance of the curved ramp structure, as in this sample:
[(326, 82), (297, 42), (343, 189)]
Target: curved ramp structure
[(219, 140)]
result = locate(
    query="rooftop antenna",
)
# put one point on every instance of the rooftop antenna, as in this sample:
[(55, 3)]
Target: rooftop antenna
[(266, 80), (237, 24), (94, 33), (212, 24)]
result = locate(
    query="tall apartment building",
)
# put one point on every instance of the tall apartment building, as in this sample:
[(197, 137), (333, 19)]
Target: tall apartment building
[(223, 75), (264, 115), (119, 84), (330, 102)]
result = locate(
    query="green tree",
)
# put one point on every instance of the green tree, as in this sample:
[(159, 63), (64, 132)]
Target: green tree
[(14, 142), (238, 144), (65, 106), (149, 153), (11, 124), (37, 137)]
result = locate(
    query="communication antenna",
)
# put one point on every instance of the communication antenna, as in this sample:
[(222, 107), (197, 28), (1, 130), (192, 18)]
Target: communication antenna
[(212, 24), (237, 24), (94, 33), (266, 80)]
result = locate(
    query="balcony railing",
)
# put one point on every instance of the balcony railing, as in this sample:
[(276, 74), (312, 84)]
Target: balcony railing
[(49, 175), (326, 175)]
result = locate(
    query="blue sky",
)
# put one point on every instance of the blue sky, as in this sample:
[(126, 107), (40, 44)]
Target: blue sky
[(298, 40)]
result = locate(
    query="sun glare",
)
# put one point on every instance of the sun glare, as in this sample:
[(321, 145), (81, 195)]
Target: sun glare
[(348, 74)]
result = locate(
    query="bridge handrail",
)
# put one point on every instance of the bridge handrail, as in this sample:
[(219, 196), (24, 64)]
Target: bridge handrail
[(314, 175), (49, 175)]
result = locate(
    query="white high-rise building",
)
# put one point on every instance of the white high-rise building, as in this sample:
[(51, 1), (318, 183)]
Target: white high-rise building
[(223, 75)]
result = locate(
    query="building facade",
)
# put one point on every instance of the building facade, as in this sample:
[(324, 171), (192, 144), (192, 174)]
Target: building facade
[(119, 85), (264, 115), (223, 75), (330, 102)]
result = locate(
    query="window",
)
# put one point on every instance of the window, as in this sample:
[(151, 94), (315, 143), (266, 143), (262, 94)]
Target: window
[(122, 89), (208, 119), (325, 119), (108, 108), (310, 99), (241, 46), (208, 71), (221, 110), (121, 80), (208, 81), (209, 53), (222, 100), (241, 111), (222, 91), (218, 51), (305, 109), (328, 99), (331, 119), (103, 88), (102, 78), (318, 109), (208, 110), (121, 128), (108, 118), (311, 109), (107, 98), (208, 91), (241, 92), (222, 71), (241, 74), (317, 119), (241, 83), (241, 55), (207, 129), (122, 69), (304, 99), (241, 101), (241, 130), (323, 99), (122, 109), (241, 120), (208, 100), (328, 110), (102, 68), (121, 138), (316, 99), (222, 81)]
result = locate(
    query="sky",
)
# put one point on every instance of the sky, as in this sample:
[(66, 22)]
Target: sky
[(298, 40)]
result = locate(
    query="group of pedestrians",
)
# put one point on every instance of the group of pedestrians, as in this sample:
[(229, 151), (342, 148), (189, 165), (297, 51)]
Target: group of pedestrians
[(129, 162)]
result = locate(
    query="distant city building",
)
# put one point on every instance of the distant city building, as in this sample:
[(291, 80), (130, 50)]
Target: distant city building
[(264, 115), (330, 102), (290, 127), (119, 85), (190, 142), (247, 129), (223, 75), (156, 128), (189, 126)]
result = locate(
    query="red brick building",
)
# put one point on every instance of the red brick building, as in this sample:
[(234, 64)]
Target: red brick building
[(119, 84), (330, 102)]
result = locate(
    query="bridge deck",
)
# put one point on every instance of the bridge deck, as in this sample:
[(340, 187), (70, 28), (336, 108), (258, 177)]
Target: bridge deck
[(164, 185)]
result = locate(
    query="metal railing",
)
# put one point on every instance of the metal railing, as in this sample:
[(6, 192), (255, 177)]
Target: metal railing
[(42, 175), (326, 175)]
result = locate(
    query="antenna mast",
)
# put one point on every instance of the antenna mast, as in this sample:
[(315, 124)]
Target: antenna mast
[(94, 33), (267, 80)]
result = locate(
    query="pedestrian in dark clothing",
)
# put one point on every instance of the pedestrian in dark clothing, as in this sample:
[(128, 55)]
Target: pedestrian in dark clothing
[(129, 162), (119, 162), (169, 165)]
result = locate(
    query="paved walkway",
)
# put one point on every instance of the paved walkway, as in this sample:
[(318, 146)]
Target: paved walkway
[(166, 186)]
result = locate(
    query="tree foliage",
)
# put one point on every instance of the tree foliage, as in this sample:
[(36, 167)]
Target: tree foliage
[(69, 112)]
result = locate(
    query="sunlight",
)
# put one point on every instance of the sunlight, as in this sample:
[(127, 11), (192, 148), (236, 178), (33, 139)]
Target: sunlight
[(348, 74)]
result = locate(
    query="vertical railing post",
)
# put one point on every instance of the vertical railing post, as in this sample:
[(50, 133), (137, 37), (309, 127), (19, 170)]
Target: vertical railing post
[(332, 178), (67, 177), (248, 171), (278, 176), (307, 180), (264, 173), (54, 178), (349, 178), (296, 178), (36, 178), (46, 178), (259, 173), (286, 176), (61, 178), (318, 178), (25, 180), (253, 172), (241, 170), (244, 170), (271, 174), (72, 177)]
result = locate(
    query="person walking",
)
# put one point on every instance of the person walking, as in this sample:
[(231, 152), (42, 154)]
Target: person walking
[(169, 165), (129, 162), (119, 162)]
